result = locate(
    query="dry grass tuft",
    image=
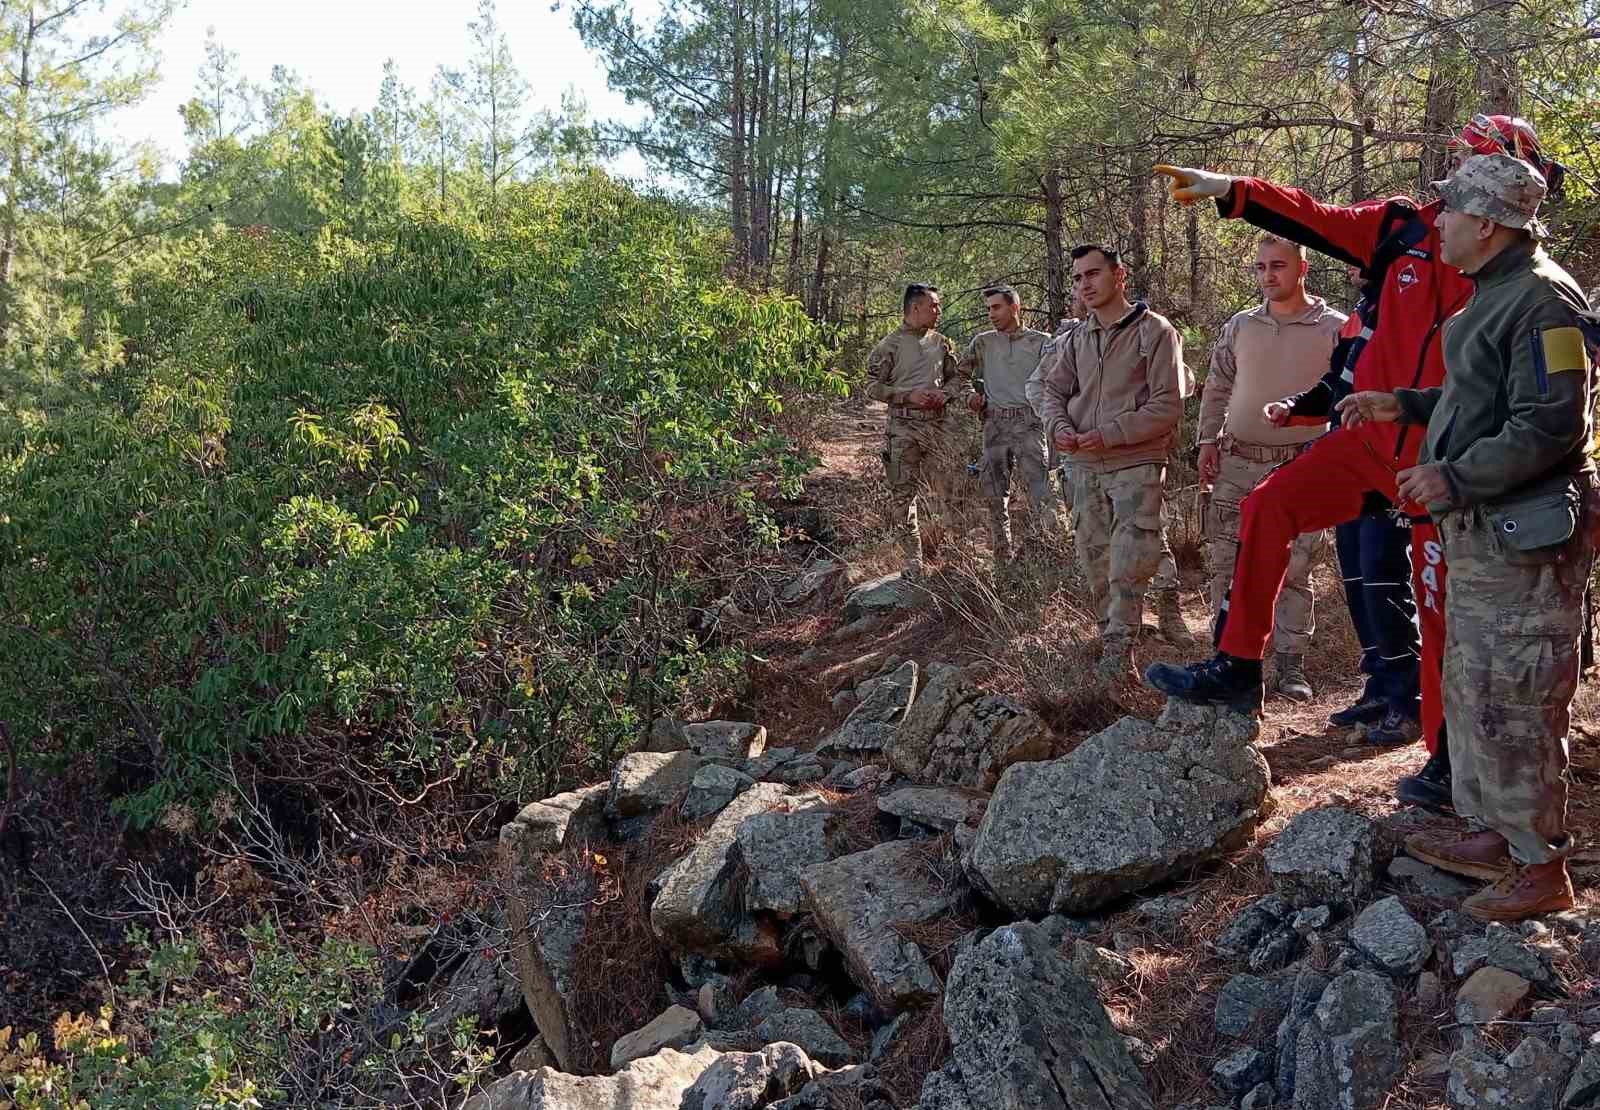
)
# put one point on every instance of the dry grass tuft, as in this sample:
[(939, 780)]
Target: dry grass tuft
[(860, 823), (921, 1048)]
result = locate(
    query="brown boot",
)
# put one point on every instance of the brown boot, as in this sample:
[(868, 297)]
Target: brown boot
[(1116, 661), (1523, 892), (1482, 855), (1170, 617)]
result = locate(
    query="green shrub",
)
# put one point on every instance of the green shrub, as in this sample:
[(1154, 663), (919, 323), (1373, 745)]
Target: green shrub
[(442, 504)]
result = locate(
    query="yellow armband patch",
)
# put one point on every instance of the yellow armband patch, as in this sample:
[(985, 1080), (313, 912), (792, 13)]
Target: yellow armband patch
[(1563, 350)]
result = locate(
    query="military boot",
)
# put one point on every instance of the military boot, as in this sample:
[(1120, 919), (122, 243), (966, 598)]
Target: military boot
[(1221, 680), (1170, 618), (1480, 855), (1523, 892), (1116, 660), (1290, 679), (1429, 787)]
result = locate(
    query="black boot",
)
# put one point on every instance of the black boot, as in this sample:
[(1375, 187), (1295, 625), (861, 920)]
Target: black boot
[(1429, 787), (1223, 680)]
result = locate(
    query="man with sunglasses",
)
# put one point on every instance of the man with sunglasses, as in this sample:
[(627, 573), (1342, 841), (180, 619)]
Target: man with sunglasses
[(1504, 470), (1411, 292), (914, 371)]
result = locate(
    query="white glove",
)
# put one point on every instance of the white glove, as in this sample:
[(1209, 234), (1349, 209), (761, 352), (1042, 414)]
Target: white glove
[(1190, 185)]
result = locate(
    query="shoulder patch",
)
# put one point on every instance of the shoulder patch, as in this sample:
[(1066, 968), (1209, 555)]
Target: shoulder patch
[(1563, 349)]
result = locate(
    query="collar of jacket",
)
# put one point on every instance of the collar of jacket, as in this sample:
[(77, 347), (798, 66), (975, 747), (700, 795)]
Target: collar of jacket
[(918, 332), (1315, 311), (1133, 316), (1505, 265)]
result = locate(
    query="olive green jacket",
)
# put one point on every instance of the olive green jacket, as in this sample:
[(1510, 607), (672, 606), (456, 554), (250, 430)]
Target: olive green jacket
[(1512, 419)]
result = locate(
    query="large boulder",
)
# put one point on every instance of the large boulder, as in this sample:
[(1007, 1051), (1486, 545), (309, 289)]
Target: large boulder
[(774, 847), (1348, 1053), (644, 782), (1133, 805), (576, 817), (1324, 857), (877, 596), (1027, 1033), (1531, 1078), (726, 741), (862, 900), (656, 1082), (711, 789), (751, 1080), (811, 1031), (699, 906), (871, 723), (956, 734), (547, 912), (677, 1027)]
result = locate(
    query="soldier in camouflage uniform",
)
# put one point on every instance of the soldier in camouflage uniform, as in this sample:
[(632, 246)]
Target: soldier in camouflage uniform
[(1504, 470), (1002, 360), (1113, 396), (913, 370)]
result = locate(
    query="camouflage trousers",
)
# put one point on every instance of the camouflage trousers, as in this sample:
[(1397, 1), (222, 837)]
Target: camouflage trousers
[(1512, 622), (919, 460), (1294, 617), (1116, 519), (1013, 440)]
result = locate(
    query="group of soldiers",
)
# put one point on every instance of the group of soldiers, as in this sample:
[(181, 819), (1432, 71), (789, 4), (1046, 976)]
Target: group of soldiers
[(1442, 428)]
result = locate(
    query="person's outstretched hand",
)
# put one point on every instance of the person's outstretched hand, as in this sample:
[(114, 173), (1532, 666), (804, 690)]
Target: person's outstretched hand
[(1368, 405), (1191, 185)]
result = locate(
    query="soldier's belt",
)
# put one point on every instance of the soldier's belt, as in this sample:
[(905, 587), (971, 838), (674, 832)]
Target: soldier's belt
[(1257, 452), (1020, 410), (906, 412)]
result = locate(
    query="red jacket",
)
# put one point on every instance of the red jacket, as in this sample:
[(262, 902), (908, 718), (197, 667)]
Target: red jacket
[(1418, 293)]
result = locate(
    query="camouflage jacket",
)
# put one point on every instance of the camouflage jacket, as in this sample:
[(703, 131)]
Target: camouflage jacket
[(905, 360)]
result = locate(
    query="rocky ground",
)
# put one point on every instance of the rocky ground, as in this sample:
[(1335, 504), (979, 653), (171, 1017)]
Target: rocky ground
[(925, 863)]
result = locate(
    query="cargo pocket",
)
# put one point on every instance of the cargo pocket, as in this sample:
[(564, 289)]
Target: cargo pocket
[(1535, 530), (1530, 664)]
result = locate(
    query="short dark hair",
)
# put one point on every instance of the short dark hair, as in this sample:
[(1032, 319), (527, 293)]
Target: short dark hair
[(914, 293), (1113, 256), (1005, 291)]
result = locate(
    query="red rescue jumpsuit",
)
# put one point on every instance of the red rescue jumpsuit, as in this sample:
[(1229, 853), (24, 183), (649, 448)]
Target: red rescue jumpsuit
[(1324, 486)]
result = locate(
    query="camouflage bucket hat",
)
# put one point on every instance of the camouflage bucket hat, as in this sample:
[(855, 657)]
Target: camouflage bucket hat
[(1497, 187)]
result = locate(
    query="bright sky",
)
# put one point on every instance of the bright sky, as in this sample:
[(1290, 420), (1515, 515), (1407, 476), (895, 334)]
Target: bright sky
[(339, 46)]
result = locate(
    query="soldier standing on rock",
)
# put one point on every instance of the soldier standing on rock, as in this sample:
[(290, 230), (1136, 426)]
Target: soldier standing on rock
[(913, 370), (1279, 347), (1505, 473), (1113, 396), (1013, 438)]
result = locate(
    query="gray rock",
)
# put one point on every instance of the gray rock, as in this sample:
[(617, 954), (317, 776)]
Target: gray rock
[(677, 1027), (811, 1032), (1571, 1041), (1133, 805), (776, 846), (1502, 947), (699, 907), (937, 807), (533, 1056), (1428, 880), (1390, 937), (666, 735), (652, 1083), (1529, 1079), (726, 741), (1307, 921), (1583, 1089), (883, 1040), (758, 1007), (859, 900), (857, 1085), (869, 777), (1166, 910), (1430, 992), (816, 577), (577, 817), (871, 725), (546, 912), (1100, 966), (1308, 987), (956, 734), (750, 1080), (1275, 950), (1143, 1053), (1251, 925), (1489, 994), (1250, 1007), (1260, 1097), (1348, 1054), (714, 1001), (711, 789), (878, 596), (1027, 1032), (769, 761), (1239, 1071), (1324, 857), (800, 771), (645, 782), (1589, 948)]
